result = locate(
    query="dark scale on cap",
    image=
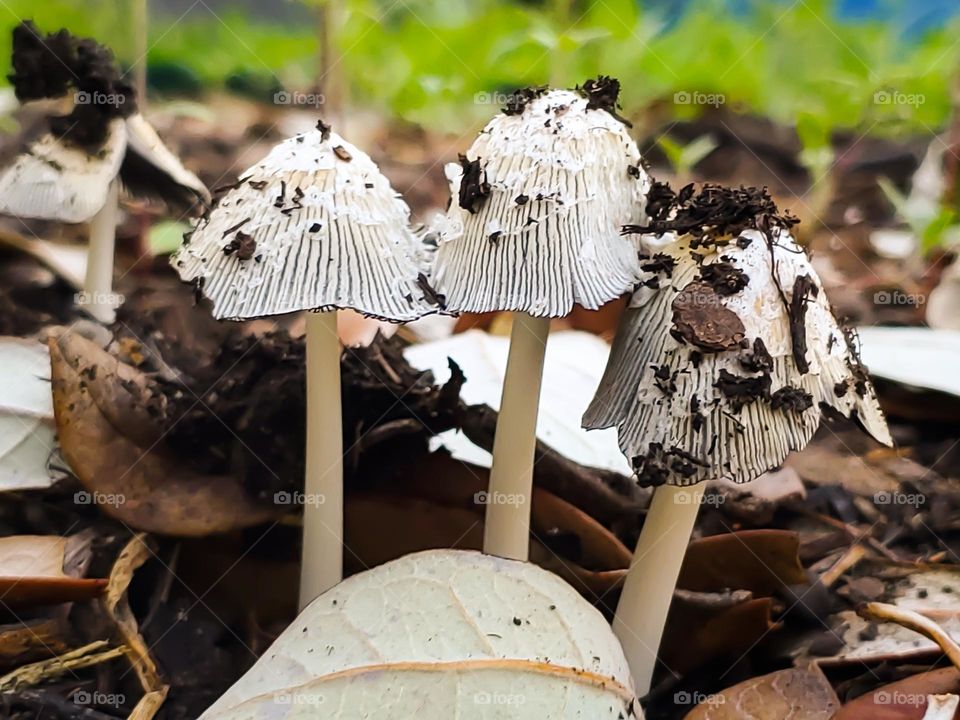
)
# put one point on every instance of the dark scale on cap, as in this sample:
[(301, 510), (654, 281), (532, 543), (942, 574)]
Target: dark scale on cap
[(741, 391), (474, 188), (791, 399), (603, 93), (659, 263), (324, 129), (803, 289), (712, 213), (759, 361), (242, 245), (724, 277), (518, 100)]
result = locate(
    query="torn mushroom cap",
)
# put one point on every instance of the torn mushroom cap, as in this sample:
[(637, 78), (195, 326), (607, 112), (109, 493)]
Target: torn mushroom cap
[(314, 226), (88, 136), (726, 360), (58, 180), (442, 625), (538, 202)]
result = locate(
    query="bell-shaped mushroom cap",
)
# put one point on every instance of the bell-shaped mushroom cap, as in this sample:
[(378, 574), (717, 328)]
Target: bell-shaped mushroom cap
[(61, 181), (728, 356), (437, 635), (537, 206), (313, 226)]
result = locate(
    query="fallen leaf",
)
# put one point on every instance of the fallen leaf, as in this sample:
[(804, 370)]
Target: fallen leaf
[(573, 366), (115, 449), (794, 694), (763, 561), (26, 417)]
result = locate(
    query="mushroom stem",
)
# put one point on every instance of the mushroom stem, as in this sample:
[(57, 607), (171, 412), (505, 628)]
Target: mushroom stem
[(321, 563), (507, 528), (648, 588), (97, 293)]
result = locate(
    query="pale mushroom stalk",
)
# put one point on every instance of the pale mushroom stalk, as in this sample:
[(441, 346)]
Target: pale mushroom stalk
[(648, 587), (314, 226), (323, 484), (725, 361), (507, 527), (533, 229), (98, 283)]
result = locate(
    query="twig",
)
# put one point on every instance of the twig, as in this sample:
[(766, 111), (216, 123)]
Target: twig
[(913, 621)]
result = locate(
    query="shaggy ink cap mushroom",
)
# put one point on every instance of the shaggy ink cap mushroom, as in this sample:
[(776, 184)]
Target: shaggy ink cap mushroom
[(538, 201), (65, 175), (314, 225), (729, 354), (725, 361)]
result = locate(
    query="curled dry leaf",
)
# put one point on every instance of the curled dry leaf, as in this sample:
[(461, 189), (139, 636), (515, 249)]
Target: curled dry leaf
[(440, 634), (114, 447), (763, 561), (794, 694)]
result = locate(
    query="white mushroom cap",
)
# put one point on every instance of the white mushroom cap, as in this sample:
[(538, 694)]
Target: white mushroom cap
[(58, 181), (329, 232), (437, 635), (562, 180), (62, 181), (672, 389)]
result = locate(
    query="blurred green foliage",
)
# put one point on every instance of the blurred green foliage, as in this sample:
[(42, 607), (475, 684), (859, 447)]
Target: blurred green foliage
[(445, 62)]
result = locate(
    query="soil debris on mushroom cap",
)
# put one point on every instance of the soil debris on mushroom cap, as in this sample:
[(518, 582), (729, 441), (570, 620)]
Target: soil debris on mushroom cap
[(51, 66), (603, 93), (323, 233), (713, 212), (747, 339), (474, 188), (538, 201), (518, 100)]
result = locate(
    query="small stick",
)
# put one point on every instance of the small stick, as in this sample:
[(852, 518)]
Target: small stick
[(849, 559), (913, 621)]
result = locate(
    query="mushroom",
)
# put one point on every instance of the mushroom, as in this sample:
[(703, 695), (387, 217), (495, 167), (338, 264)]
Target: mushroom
[(437, 635), (533, 228), (71, 172), (313, 226), (726, 361)]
